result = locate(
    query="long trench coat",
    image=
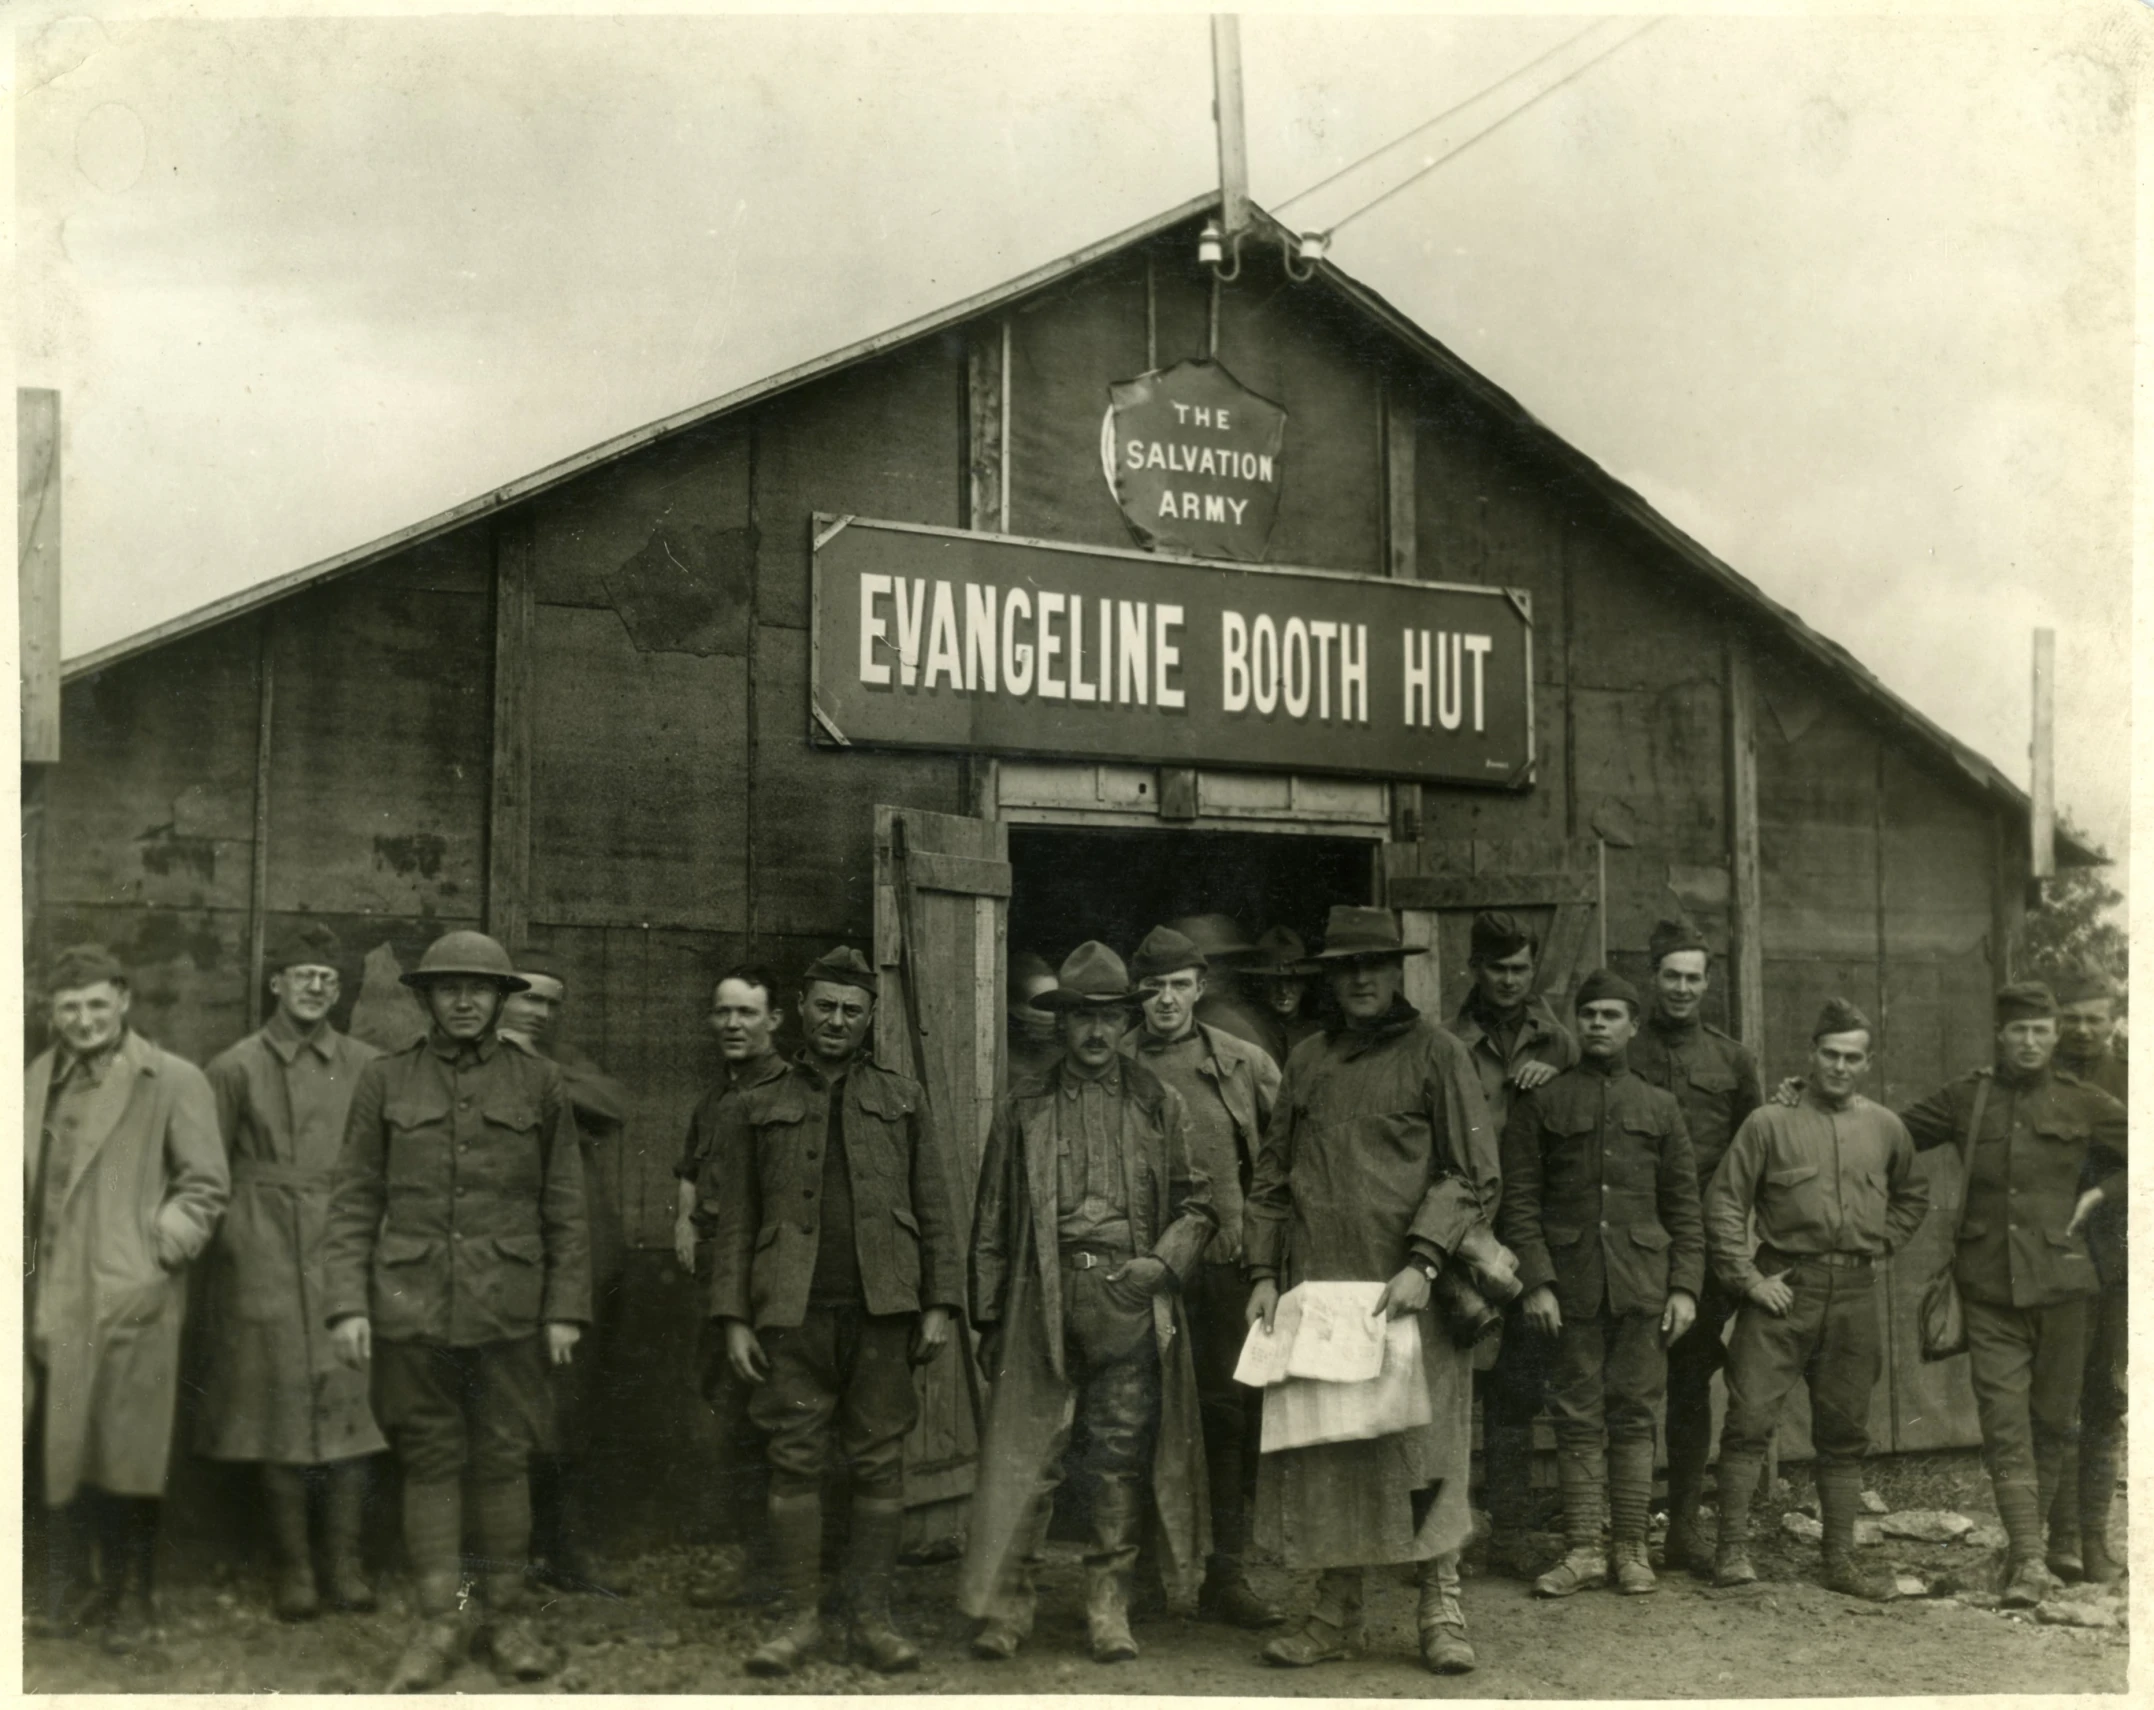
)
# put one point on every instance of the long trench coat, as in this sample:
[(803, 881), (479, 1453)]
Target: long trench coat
[(107, 1292), (1379, 1147), (275, 1389), (1016, 1282)]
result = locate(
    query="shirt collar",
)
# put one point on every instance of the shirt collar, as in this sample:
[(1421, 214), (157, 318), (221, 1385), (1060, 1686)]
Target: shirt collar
[(1615, 1068), (283, 1037), (1668, 1027), (91, 1065), (1193, 1038), (453, 1050), (1108, 1080)]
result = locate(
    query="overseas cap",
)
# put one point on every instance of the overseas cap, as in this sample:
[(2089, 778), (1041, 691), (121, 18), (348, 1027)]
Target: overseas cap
[(2026, 1000), (84, 965), (469, 954), (1840, 1016), (1352, 934), (841, 965), (1671, 936), (1497, 934), (1165, 951), (1603, 984), (310, 946), (1094, 977)]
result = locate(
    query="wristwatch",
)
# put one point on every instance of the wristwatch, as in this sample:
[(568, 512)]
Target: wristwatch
[(1426, 1268)]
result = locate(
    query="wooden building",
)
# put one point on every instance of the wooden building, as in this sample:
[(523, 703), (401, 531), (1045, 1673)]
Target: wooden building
[(577, 711)]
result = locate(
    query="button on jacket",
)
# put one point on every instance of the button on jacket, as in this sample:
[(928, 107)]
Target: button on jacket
[(766, 1153), (457, 1211), (2043, 1138), (1600, 1197), (1713, 1077), (1818, 1180), (1540, 1038), (1246, 1081)]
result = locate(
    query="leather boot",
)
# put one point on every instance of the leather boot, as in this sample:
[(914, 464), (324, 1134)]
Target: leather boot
[(1439, 1619), (1116, 1519), (130, 1554), (73, 1600), (2026, 1581), (1229, 1597), (1507, 1456), (2056, 1495), (1333, 1630), (796, 1537), (2095, 1492), (871, 1565), (343, 1532), (433, 1540), (1739, 1471), (557, 1557), (1584, 1566), (1690, 1544), (1009, 1625), (284, 1505), (1630, 1494), (1839, 1500)]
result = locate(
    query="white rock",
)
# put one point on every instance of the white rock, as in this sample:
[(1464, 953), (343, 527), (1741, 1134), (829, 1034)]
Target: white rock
[(1800, 1525), (1985, 1537), (1927, 1525), (1907, 1585), (1872, 1503), (2058, 1614)]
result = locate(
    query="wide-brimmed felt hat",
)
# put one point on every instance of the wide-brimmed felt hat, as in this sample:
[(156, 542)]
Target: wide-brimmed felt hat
[(1280, 953), (1165, 951), (1093, 977), (1219, 936), (467, 954), (1362, 934)]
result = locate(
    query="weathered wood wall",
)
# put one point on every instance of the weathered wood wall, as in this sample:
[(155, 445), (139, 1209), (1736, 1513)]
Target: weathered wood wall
[(678, 817)]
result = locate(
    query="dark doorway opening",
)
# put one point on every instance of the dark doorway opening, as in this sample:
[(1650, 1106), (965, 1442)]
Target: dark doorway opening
[(1070, 884)]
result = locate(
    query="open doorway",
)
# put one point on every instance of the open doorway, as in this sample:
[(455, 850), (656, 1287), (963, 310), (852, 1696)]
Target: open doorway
[(1069, 884)]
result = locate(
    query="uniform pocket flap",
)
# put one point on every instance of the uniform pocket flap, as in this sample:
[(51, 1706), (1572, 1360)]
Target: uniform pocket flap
[(1570, 1124), (1650, 1236), (403, 1249), (905, 1218), (2063, 1133), (2068, 1243), (784, 1105), (527, 1249), (766, 1235), (1646, 1125), (1973, 1228), (1713, 1080), (1561, 1235), (881, 1097), (417, 1109), (509, 1111), (1788, 1178)]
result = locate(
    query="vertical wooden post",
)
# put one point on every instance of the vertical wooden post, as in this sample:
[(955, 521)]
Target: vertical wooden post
[(983, 429), (265, 707), (37, 569), (2042, 821), (2006, 901), (1398, 442), (1745, 874), (1879, 826), (508, 807), (1227, 113)]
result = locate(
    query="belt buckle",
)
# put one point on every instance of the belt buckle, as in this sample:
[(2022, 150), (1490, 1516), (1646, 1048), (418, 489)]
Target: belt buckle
[(1086, 1260)]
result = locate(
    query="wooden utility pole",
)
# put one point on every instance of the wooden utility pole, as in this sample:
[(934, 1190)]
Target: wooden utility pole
[(37, 592), (1227, 111), (2042, 822)]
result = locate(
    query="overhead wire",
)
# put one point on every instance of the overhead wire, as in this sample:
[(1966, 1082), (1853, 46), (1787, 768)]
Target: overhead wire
[(1486, 131), (1448, 113)]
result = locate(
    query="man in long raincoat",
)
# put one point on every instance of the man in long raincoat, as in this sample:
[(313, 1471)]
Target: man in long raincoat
[(1088, 1222), (276, 1393), (125, 1181), (1379, 1164)]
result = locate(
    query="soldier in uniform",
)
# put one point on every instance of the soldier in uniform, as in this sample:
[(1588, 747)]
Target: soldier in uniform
[(1715, 1080), (2086, 1486), (835, 1271), (1600, 1202), (1379, 1166), (745, 1017), (458, 1265), (1227, 1089), (274, 1391), (2048, 1153), (1227, 1004), (1089, 1221), (1280, 979), (1831, 1185), (125, 1179), (531, 1022), (1516, 1044)]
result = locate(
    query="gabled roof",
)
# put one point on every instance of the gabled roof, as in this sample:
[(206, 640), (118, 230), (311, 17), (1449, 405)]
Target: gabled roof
[(1498, 404)]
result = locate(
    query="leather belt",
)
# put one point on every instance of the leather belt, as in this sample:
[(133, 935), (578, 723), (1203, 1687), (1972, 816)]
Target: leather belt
[(1833, 1261), (268, 1172), (1090, 1258)]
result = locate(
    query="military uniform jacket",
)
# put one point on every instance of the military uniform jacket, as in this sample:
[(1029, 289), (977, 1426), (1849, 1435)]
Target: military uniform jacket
[(1600, 1196), (2108, 1227), (1247, 1081), (766, 1153), (456, 1212), (1713, 1077), (696, 1162), (1541, 1038), (2043, 1140)]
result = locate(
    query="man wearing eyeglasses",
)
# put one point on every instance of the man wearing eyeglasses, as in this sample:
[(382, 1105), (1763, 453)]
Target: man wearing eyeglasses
[(275, 1393)]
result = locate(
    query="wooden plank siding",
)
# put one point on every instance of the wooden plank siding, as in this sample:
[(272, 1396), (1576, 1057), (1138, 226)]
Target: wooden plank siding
[(680, 814)]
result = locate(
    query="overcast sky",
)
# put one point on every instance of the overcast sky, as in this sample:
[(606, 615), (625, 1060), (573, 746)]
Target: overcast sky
[(1849, 298)]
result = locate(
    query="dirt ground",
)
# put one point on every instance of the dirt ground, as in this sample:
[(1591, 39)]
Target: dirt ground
[(1786, 1637)]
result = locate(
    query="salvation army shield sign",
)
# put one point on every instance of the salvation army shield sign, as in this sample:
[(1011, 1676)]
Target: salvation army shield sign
[(1193, 457)]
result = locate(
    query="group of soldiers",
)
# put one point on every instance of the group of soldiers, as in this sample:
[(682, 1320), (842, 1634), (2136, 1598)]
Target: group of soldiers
[(1588, 1215)]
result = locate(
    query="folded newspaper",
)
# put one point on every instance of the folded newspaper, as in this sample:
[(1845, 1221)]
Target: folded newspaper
[(1332, 1370)]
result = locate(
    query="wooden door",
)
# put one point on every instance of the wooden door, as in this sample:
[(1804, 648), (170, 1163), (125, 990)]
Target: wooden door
[(942, 890), (1437, 885)]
